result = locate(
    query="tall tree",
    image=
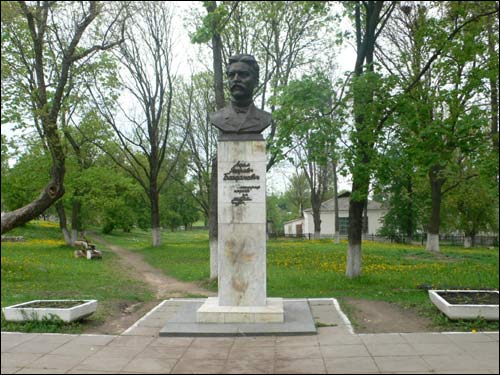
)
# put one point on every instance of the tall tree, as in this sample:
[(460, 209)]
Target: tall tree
[(441, 116), (42, 73), (213, 24), (369, 20), (374, 104), (307, 128), (150, 151), (195, 105)]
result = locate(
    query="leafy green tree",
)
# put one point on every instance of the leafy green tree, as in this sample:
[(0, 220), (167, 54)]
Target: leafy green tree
[(472, 208), (179, 206), (8, 151), (50, 39), (278, 211), (369, 98), (376, 99), (298, 193), (25, 177), (395, 185), (309, 133), (441, 116), (111, 199)]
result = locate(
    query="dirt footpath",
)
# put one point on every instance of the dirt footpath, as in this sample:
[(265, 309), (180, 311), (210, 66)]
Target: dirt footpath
[(124, 314)]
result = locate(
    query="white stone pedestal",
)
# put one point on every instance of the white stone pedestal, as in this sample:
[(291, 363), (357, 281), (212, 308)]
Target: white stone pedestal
[(241, 170), (212, 312)]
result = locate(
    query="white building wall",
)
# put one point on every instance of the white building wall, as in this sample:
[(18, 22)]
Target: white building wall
[(328, 221), (375, 221), (308, 223), (290, 228), (327, 224)]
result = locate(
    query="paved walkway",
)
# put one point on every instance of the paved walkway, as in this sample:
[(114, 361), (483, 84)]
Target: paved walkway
[(335, 349)]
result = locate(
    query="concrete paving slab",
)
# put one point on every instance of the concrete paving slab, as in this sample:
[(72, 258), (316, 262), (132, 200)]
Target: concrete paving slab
[(300, 366), (13, 360), (398, 349), (344, 351), (102, 363), (188, 366), (335, 349), (150, 365), (252, 354), (40, 371), (295, 352), (401, 363), (248, 366), (298, 321), (351, 365), (463, 362), (426, 338), (56, 362)]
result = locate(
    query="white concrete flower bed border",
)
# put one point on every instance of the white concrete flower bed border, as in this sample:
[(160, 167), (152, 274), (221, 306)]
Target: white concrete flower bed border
[(18, 313), (466, 311)]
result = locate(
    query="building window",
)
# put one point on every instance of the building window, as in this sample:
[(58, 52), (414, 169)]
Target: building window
[(343, 225)]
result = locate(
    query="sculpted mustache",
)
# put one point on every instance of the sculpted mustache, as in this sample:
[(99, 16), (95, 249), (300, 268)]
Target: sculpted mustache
[(236, 85)]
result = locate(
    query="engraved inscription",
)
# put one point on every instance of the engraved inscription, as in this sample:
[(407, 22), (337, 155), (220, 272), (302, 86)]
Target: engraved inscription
[(241, 171)]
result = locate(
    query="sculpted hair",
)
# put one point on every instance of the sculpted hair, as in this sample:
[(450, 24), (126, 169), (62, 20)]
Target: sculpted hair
[(247, 59)]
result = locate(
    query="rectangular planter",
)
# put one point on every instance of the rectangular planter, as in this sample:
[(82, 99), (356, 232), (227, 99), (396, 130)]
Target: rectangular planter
[(21, 313), (464, 311)]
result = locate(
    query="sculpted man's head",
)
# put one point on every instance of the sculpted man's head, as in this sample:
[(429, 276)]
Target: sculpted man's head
[(241, 117), (243, 77)]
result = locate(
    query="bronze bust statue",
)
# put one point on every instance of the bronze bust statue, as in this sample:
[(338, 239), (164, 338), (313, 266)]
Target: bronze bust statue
[(241, 116)]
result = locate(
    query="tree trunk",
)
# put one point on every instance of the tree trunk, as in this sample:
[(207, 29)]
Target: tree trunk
[(365, 46), (409, 210), (213, 223), (155, 215), (62, 223), (50, 194), (217, 58), (493, 58), (355, 233), (75, 220), (316, 211), (219, 103), (336, 204), (436, 181), (467, 242), (365, 218)]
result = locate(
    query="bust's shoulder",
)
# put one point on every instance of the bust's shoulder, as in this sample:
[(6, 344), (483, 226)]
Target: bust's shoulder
[(222, 119), (263, 115), (217, 115)]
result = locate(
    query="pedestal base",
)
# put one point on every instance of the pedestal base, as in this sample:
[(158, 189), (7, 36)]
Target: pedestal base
[(211, 312), (298, 321)]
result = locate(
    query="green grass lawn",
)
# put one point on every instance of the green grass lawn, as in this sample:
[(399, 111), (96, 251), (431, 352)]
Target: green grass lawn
[(316, 268), (43, 267)]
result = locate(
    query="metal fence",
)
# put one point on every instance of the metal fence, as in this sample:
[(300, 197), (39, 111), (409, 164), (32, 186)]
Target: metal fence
[(421, 238)]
